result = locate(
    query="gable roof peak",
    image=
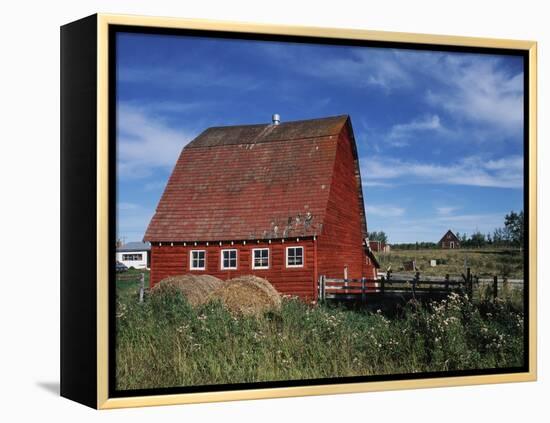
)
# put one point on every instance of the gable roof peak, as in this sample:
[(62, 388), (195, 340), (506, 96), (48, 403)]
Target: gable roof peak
[(268, 132)]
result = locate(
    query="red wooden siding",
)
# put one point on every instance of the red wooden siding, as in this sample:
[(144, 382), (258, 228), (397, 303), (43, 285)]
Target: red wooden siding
[(341, 242), (167, 260)]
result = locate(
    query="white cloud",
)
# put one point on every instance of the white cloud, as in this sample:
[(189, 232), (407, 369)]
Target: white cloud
[(363, 68), (421, 124), (480, 91), (446, 211), (401, 132), (382, 69), (469, 87), (145, 143), (474, 171), (513, 163), (385, 210)]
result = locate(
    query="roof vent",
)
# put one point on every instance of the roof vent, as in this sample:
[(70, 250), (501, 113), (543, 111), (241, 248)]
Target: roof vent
[(276, 119)]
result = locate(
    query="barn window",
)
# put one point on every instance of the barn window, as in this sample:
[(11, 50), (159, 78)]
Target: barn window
[(198, 260), (229, 259), (294, 256), (260, 258)]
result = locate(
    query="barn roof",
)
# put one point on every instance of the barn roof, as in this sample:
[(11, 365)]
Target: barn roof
[(250, 182), (449, 232), (254, 134)]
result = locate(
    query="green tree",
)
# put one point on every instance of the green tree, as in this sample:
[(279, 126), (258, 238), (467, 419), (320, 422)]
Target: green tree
[(477, 239), (514, 227), (378, 236), (499, 237)]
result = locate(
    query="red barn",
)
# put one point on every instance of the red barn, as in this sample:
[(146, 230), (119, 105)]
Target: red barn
[(379, 246), (449, 241), (282, 201)]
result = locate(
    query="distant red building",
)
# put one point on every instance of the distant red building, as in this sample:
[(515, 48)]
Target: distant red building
[(449, 241), (379, 246), (281, 201)]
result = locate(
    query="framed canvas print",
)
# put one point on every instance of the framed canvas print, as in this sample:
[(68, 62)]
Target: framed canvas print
[(254, 211)]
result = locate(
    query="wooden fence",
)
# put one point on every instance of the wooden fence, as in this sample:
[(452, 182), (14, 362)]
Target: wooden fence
[(413, 285)]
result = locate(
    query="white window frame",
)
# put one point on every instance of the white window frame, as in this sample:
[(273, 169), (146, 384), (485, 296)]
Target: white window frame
[(236, 259), (286, 256), (253, 257), (191, 267)]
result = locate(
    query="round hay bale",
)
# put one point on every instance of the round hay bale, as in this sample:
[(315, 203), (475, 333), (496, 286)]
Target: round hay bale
[(247, 295), (195, 288)]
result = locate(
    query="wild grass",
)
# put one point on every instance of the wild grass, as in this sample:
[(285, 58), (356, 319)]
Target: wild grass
[(164, 342), (127, 290), (484, 262)]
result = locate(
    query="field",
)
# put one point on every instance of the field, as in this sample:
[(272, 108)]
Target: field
[(483, 262), (164, 342)]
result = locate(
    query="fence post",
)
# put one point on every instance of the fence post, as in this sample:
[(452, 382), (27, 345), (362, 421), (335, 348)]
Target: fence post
[(345, 276), (447, 283), (504, 284), (470, 283), (382, 282), (495, 286), (319, 289), (415, 281), (141, 287), (363, 283), (322, 287)]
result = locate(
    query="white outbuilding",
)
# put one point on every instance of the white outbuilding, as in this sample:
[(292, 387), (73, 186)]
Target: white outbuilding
[(134, 254)]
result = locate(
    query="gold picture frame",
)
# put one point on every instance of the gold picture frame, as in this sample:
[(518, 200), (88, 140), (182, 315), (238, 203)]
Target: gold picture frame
[(101, 24)]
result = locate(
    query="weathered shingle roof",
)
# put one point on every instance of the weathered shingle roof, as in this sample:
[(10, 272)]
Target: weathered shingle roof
[(250, 182), (253, 134), (135, 246)]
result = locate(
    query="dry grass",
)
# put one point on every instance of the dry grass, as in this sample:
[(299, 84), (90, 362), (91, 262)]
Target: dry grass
[(247, 295), (484, 262), (195, 288)]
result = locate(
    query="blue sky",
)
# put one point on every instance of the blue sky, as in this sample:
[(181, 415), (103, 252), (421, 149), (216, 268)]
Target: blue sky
[(439, 135)]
